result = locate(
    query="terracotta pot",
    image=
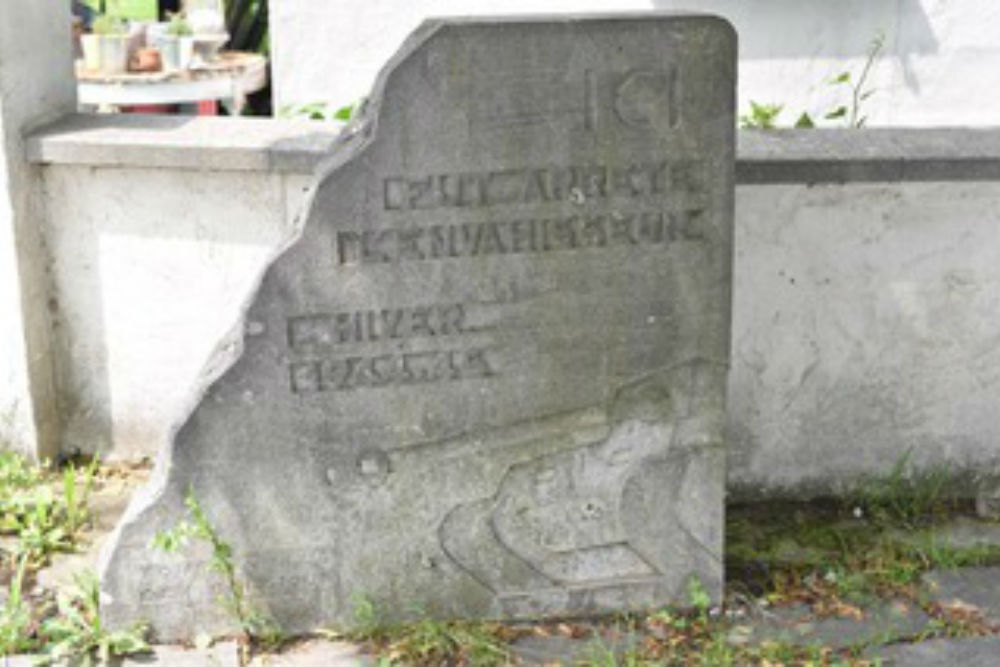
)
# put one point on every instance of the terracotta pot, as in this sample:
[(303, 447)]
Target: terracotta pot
[(146, 60)]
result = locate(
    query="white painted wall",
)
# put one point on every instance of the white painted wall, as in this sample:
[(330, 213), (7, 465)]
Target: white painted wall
[(152, 267), (940, 65), (864, 319), (36, 85), (865, 325)]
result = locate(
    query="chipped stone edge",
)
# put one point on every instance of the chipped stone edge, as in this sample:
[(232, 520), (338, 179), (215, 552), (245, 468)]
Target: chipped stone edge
[(357, 138)]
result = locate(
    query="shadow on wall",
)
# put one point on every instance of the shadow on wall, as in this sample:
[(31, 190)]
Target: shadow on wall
[(820, 29)]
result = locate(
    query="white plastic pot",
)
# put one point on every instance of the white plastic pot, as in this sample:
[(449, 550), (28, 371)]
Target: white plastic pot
[(114, 54), (91, 45), (170, 51), (186, 51)]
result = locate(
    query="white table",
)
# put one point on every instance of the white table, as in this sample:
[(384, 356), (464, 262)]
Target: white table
[(230, 79)]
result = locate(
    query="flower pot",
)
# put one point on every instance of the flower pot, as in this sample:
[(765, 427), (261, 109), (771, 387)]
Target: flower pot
[(170, 51), (146, 59), (136, 37), (91, 45), (114, 54), (187, 51), (156, 32)]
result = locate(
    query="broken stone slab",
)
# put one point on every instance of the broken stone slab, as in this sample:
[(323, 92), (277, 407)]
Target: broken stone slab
[(487, 379)]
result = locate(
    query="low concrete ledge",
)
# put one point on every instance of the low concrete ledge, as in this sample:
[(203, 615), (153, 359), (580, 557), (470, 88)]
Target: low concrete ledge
[(876, 155), (763, 157), (183, 142)]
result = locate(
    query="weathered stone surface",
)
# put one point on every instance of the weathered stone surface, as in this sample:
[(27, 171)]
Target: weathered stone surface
[(224, 654), (888, 620), (488, 377), (978, 652), (976, 586)]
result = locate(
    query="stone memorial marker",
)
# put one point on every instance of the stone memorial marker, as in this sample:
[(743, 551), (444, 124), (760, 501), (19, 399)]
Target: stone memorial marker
[(488, 377)]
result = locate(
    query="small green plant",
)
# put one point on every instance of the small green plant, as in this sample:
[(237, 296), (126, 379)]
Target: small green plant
[(366, 618), (761, 116), (179, 26), (764, 116), (76, 634), (321, 111), (428, 641), (107, 25), (699, 597), (859, 93), (77, 494), (907, 495), (255, 624), (16, 616), (44, 512)]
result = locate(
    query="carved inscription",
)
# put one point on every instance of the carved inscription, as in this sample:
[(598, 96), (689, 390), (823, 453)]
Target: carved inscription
[(681, 183), (317, 334), (519, 236), (515, 100), (383, 370), (647, 99), (539, 185), (644, 99), (308, 332)]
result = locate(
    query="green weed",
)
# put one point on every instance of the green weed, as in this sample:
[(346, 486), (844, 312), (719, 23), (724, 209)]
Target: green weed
[(428, 641), (761, 116), (46, 513), (907, 496), (76, 636), (16, 616), (851, 112), (253, 622)]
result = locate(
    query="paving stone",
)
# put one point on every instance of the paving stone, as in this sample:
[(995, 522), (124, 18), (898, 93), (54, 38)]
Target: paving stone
[(976, 586), (316, 653), (960, 533), (223, 654), (976, 652), (798, 625), (567, 651)]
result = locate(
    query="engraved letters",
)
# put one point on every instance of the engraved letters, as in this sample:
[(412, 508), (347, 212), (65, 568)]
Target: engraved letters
[(311, 336), (518, 236), (310, 332), (539, 185), (390, 369)]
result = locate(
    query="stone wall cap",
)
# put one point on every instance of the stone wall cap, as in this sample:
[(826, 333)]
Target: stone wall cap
[(299, 146), (183, 142)]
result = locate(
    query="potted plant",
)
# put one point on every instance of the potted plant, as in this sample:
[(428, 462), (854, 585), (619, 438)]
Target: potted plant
[(112, 45), (176, 43), (91, 45)]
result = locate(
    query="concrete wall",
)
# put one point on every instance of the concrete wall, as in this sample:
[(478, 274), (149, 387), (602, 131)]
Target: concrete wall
[(157, 229), (865, 326), (866, 295), (940, 65), (36, 86), (151, 269)]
